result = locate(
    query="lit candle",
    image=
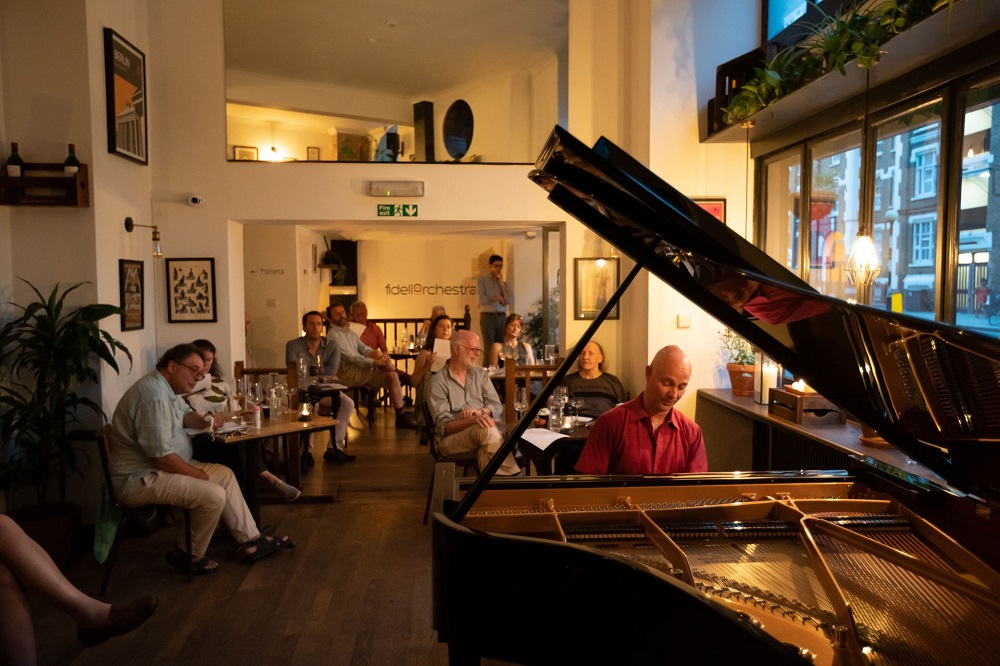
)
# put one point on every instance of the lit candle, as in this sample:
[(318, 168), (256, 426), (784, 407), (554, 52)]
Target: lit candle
[(769, 380), (799, 385)]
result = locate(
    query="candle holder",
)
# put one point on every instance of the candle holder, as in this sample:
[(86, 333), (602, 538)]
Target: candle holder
[(767, 375), (305, 412)]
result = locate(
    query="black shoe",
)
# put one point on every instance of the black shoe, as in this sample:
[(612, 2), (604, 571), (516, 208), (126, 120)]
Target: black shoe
[(306, 462), (337, 456), (404, 420), (123, 619)]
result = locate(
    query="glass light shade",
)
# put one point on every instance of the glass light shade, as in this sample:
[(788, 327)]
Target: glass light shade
[(862, 266), (157, 250)]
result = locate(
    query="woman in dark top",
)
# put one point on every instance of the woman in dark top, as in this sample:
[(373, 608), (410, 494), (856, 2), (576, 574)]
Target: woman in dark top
[(598, 390)]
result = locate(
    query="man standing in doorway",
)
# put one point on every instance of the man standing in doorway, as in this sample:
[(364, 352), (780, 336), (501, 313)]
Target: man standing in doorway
[(494, 297)]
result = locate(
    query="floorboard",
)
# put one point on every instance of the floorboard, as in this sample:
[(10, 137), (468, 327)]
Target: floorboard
[(355, 591)]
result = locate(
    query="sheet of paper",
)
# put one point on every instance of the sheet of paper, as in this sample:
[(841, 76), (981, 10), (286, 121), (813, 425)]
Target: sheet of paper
[(357, 328), (541, 437), (331, 385), (443, 350)]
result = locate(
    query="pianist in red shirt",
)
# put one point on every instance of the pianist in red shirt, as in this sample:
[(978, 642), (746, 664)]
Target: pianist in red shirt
[(647, 435)]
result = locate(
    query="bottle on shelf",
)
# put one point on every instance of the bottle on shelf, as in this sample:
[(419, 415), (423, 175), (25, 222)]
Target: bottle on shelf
[(15, 165), (72, 164), (467, 319)]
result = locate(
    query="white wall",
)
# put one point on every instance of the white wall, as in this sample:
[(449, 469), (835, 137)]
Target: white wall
[(270, 278)]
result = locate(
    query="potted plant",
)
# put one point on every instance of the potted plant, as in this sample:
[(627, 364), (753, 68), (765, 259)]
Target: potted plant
[(49, 353), (739, 362)]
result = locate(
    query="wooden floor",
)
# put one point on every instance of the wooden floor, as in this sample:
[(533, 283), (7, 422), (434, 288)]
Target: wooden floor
[(356, 590)]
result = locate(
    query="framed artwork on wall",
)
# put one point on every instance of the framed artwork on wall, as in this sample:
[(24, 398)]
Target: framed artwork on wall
[(131, 287), (245, 153), (191, 290), (594, 280), (312, 153), (125, 83), (716, 206)]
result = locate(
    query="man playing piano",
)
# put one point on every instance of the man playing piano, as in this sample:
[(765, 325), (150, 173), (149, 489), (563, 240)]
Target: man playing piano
[(647, 435)]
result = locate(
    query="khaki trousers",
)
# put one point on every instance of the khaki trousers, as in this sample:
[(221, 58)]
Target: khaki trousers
[(479, 442), (220, 496)]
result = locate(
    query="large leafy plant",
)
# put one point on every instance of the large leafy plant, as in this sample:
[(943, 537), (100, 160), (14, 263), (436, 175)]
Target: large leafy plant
[(855, 35), (49, 352), (735, 348)]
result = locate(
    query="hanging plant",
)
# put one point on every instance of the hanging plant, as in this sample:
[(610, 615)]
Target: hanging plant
[(832, 43)]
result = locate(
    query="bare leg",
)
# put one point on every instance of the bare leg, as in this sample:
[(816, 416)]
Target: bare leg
[(395, 390), (17, 634), (37, 573)]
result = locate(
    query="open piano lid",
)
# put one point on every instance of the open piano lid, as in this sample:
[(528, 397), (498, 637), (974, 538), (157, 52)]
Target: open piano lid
[(930, 389)]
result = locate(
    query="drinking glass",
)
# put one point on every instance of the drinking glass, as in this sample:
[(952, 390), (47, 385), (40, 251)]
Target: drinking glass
[(576, 403), (559, 396), (521, 401), (239, 391), (255, 393), (550, 354), (509, 352)]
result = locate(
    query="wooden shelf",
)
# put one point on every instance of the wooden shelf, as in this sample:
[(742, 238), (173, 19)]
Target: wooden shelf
[(45, 184), (940, 34)]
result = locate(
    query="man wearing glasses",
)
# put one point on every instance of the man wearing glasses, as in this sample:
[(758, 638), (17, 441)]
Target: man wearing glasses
[(465, 406), (151, 462)]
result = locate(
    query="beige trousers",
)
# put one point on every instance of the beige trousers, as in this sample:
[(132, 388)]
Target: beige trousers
[(219, 497), (480, 442)]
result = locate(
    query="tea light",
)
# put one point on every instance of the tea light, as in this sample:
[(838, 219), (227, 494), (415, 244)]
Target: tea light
[(305, 412), (800, 386)]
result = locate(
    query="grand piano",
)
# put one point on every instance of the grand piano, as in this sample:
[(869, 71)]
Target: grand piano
[(860, 566)]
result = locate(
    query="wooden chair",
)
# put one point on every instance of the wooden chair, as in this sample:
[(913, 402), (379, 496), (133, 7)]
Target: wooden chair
[(104, 437), (521, 375), (465, 463), (290, 371)]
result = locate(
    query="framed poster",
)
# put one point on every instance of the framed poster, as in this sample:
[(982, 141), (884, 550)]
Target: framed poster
[(131, 287), (594, 280), (312, 153), (125, 81), (191, 290), (715, 206), (245, 153)]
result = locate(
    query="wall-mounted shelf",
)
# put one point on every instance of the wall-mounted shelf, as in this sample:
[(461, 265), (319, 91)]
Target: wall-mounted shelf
[(910, 55), (45, 184)]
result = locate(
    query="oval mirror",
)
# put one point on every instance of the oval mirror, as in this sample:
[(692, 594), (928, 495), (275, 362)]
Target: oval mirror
[(458, 129)]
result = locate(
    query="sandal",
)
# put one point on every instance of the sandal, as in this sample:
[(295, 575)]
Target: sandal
[(178, 559), (265, 546)]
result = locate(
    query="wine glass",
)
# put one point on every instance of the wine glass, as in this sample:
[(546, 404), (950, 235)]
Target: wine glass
[(576, 403), (255, 393), (520, 401), (509, 352), (239, 391)]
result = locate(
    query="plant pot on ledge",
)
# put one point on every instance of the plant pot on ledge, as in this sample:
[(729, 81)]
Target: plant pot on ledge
[(741, 379)]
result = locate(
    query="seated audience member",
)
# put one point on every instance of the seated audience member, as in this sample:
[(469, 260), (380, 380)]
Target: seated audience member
[(648, 435), (422, 371), (465, 406), (310, 347), (26, 568), (428, 325), (360, 365), (372, 335), (151, 462), (598, 390), (212, 396), (512, 339)]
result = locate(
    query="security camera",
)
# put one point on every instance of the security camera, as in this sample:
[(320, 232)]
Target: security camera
[(195, 200)]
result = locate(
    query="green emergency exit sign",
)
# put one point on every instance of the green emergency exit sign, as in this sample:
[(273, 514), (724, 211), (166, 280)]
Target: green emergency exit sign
[(397, 210)]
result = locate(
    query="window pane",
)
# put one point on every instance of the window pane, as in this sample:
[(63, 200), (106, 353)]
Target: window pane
[(781, 217), (978, 229), (833, 212), (905, 218)]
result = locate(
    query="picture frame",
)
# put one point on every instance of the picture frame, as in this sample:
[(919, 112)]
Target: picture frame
[(125, 84), (715, 206), (594, 281), (245, 153), (131, 291), (191, 290), (312, 153)]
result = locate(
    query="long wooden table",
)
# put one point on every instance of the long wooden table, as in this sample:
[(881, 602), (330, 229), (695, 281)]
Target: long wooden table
[(285, 426)]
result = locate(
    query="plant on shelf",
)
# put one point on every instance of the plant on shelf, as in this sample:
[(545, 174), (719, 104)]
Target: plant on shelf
[(49, 352), (737, 350), (857, 34)]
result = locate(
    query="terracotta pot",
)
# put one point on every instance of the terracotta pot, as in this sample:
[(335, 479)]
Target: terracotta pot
[(53, 526), (741, 379)]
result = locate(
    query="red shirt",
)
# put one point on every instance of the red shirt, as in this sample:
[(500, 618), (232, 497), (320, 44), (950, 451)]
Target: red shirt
[(373, 336), (622, 442)]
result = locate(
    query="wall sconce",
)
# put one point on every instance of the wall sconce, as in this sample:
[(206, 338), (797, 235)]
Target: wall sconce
[(157, 250), (766, 376)]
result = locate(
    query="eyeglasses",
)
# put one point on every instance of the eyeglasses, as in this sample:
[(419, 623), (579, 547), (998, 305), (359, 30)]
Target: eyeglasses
[(198, 374), (475, 350)]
